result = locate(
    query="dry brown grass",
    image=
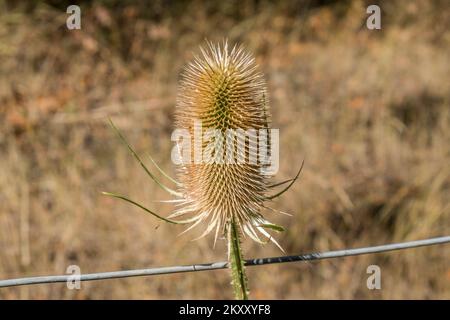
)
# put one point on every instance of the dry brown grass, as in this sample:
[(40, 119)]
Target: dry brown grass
[(369, 112)]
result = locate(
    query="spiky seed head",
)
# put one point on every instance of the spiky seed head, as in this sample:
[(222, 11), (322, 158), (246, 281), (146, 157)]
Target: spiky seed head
[(222, 89)]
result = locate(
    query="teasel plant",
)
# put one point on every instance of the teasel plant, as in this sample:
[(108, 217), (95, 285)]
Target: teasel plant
[(221, 89)]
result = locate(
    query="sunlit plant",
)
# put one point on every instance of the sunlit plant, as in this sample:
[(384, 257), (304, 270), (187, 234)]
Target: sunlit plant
[(222, 89)]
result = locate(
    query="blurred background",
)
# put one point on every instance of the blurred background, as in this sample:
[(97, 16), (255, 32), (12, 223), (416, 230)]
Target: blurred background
[(368, 110)]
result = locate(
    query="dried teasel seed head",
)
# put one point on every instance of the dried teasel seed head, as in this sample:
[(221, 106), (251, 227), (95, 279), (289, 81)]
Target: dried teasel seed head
[(222, 90)]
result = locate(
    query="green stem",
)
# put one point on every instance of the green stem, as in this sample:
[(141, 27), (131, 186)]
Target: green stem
[(238, 276)]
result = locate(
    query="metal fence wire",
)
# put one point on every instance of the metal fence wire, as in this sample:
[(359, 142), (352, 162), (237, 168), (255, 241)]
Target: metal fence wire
[(224, 264)]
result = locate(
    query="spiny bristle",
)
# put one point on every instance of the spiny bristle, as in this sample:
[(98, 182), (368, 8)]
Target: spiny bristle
[(222, 89)]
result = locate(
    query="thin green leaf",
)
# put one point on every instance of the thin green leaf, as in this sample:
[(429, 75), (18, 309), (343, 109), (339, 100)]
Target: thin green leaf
[(136, 156), (289, 186), (272, 226), (144, 208), (264, 232), (279, 183), (163, 172)]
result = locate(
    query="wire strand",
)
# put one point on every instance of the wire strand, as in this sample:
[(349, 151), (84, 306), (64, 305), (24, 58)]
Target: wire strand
[(224, 264)]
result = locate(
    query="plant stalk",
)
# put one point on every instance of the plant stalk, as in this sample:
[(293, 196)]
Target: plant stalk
[(236, 261)]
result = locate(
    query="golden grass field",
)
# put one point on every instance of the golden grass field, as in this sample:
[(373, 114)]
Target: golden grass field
[(368, 111)]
